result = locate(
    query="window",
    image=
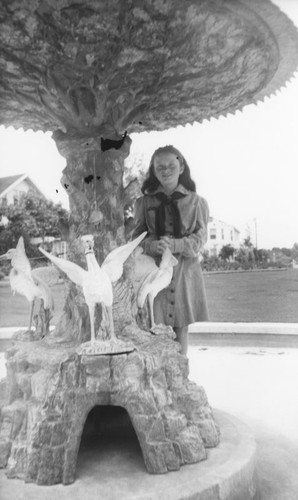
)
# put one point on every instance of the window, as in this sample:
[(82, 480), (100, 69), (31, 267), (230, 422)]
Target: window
[(4, 202), (231, 235), (17, 196), (222, 234), (212, 233)]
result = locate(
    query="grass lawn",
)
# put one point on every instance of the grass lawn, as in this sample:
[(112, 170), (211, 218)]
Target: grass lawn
[(270, 296)]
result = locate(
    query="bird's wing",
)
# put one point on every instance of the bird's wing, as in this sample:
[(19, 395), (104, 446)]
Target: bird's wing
[(146, 286), (19, 260), (48, 274), (73, 271), (144, 264), (44, 293), (113, 263), (168, 259)]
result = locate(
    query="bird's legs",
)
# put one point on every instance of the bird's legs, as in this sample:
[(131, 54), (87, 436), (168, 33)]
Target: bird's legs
[(160, 328), (91, 314), (109, 346), (151, 311), (31, 314), (107, 312)]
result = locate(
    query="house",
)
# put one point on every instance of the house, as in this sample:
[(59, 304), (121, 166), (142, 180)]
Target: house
[(219, 234), (13, 186), (54, 245)]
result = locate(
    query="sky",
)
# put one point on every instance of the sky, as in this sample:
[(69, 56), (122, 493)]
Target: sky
[(245, 165)]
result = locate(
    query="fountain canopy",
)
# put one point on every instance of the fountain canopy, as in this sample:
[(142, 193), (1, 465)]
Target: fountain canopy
[(99, 68)]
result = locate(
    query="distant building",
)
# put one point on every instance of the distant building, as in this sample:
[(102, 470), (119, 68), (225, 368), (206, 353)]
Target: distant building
[(13, 186), (55, 245), (219, 234)]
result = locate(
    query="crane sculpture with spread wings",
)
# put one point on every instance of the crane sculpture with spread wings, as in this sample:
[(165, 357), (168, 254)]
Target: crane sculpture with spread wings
[(96, 284)]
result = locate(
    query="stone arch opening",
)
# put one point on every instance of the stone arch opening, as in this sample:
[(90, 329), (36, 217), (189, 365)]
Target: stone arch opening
[(108, 440)]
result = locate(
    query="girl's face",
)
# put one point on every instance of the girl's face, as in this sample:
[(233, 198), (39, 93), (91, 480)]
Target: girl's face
[(167, 170)]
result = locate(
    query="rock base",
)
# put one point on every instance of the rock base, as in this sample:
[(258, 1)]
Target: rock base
[(105, 347), (51, 390), (228, 474)]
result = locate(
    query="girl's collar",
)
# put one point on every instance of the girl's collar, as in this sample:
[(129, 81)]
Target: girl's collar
[(180, 189)]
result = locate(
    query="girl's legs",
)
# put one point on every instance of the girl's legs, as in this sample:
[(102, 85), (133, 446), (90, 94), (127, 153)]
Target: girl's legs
[(182, 338)]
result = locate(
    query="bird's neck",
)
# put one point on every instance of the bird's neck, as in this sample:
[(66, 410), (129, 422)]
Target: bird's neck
[(92, 263)]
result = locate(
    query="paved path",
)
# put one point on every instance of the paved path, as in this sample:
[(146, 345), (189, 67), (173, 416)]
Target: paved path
[(260, 328), (259, 386)]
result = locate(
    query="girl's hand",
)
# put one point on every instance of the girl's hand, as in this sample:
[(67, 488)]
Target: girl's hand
[(161, 245), (168, 242)]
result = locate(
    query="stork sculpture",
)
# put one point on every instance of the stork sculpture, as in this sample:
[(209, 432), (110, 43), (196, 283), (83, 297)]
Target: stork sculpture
[(32, 284), (96, 284), (154, 280)]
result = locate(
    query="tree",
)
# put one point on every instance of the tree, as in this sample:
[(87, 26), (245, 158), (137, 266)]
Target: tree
[(226, 252), (287, 252), (247, 242), (135, 168), (32, 216), (295, 252), (261, 255)]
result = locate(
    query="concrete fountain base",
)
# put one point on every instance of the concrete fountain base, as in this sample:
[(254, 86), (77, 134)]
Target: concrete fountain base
[(118, 471), (228, 473), (50, 390)]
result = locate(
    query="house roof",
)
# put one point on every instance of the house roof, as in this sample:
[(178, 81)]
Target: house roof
[(10, 182), (6, 182)]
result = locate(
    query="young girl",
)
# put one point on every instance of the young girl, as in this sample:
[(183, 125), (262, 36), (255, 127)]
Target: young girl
[(176, 217)]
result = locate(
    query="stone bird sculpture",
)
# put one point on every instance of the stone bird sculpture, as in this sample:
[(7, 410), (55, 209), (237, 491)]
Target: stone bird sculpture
[(32, 284), (96, 284), (156, 280)]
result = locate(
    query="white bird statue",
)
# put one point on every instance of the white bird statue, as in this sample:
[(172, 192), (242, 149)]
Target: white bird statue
[(156, 280), (32, 284), (96, 283)]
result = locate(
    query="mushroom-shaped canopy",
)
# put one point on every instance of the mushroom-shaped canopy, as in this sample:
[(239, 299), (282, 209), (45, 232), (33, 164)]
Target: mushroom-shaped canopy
[(106, 66)]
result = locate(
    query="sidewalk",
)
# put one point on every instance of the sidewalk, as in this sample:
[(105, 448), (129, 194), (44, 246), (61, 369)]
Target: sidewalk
[(218, 334), (245, 328), (6, 332), (244, 334), (258, 386)]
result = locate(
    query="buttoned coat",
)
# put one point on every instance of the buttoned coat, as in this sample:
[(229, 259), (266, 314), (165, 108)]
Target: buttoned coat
[(184, 301)]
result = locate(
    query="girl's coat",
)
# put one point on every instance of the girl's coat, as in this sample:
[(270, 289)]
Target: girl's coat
[(184, 301)]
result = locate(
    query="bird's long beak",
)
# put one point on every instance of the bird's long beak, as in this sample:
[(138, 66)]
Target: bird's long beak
[(4, 256)]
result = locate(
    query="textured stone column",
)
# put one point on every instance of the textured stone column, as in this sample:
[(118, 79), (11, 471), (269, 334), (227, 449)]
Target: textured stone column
[(93, 179)]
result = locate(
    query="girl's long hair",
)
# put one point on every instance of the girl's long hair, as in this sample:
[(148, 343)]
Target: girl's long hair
[(151, 182)]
